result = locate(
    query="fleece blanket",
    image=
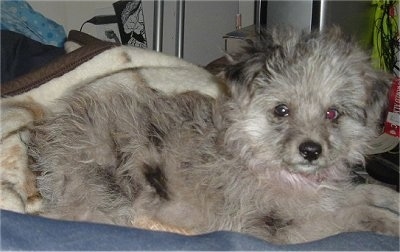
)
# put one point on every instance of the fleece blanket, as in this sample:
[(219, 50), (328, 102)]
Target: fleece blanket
[(160, 71)]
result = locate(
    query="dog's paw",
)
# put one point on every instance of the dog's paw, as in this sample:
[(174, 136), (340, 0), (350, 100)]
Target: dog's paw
[(364, 218), (376, 196), (373, 208), (380, 220)]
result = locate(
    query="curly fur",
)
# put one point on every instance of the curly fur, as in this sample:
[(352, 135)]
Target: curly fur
[(118, 151)]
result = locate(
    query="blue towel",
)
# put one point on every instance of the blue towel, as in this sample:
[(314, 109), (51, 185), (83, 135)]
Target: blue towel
[(18, 16)]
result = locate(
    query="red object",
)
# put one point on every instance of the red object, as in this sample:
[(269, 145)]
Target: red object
[(392, 123), (392, 12)]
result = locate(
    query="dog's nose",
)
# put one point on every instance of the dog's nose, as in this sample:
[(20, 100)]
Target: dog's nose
[(310, 150)]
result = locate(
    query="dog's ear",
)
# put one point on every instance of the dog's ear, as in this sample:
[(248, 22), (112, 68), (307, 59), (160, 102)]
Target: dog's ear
[(240, 75), (378, 86), (246, 65)]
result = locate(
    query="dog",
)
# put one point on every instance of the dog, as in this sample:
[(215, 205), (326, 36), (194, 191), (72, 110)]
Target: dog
[(270, 157)]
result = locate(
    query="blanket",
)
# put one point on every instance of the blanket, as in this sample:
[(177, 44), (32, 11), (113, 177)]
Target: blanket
[(166, 73)]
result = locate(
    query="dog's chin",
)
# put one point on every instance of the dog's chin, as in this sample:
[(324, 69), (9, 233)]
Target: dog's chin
[(304, 173), (298, 165), (305, 168)]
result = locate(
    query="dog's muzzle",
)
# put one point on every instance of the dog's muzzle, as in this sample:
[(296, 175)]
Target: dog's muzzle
[(310, 150)]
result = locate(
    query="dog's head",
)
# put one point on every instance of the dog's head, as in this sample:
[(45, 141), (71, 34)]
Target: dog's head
[(304, 102)]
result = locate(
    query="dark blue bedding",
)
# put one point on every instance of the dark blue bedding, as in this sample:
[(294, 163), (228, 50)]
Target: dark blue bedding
[(25, 232)]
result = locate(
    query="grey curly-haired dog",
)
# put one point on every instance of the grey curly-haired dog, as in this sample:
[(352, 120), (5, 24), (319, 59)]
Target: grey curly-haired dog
[(271, 157)]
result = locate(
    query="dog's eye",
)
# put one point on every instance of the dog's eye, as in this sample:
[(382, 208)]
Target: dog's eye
[(332, 114), (281, 110)]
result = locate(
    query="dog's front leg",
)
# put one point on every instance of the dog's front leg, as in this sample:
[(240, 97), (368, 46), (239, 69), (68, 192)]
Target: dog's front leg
[(322, 224), (368, 218), (366, 207), (378, 208), (374, 195)]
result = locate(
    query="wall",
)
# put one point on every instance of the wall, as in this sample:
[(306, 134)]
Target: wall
[(205, 22)]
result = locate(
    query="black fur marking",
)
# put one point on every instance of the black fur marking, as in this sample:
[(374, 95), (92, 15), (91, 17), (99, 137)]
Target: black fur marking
[(156, 178), (117, 185), (129, 186), (274, 223)]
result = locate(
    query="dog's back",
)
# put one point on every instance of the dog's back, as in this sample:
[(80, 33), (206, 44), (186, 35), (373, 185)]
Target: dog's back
[(108, 150)]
